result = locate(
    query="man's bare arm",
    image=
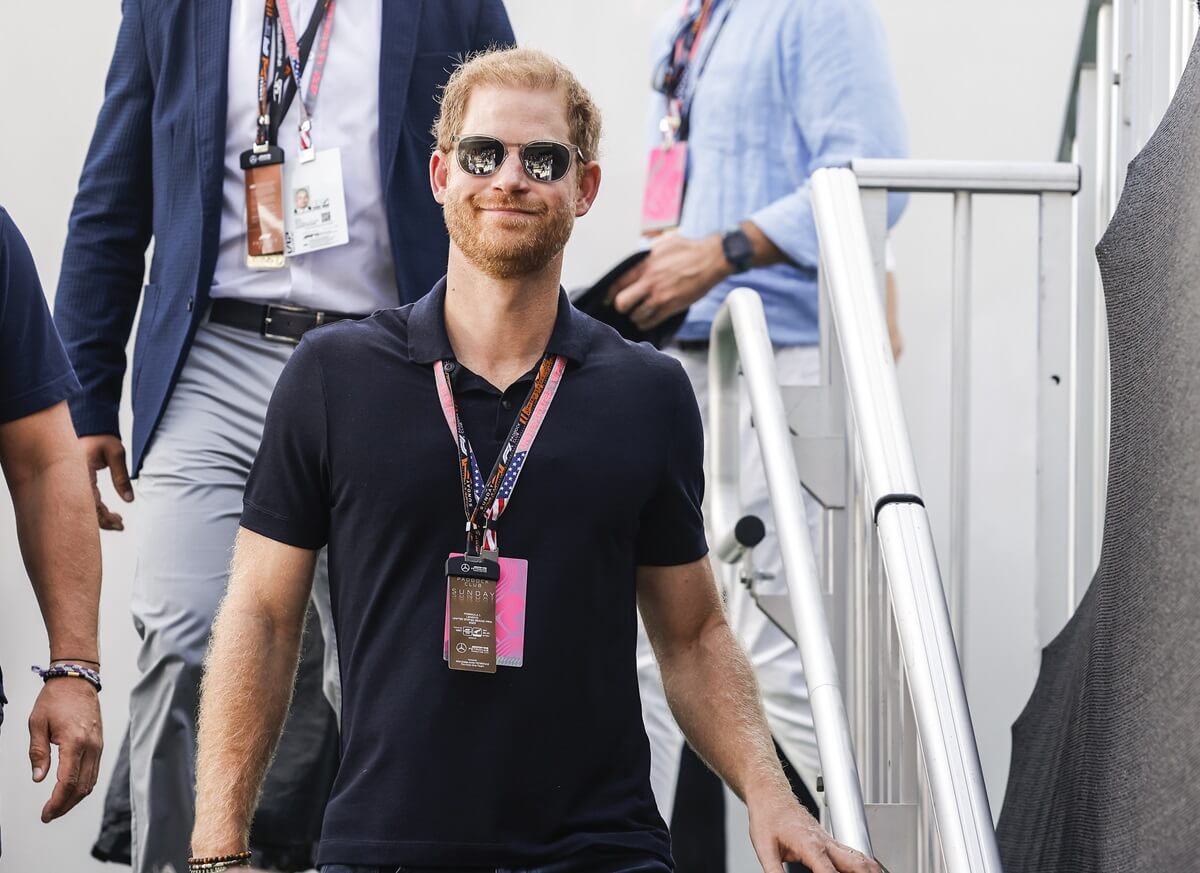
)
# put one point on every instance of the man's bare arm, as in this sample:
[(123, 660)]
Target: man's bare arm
[(714, 696), (247, 687), (56, 528)]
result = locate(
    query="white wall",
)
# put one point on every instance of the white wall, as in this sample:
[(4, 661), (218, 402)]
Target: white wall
[(978, 81)]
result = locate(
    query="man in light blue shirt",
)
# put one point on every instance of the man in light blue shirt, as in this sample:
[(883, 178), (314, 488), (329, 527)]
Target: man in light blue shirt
[(774, 91), (785, 88)]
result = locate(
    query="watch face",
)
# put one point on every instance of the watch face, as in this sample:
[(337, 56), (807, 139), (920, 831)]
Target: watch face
[(739, 251)]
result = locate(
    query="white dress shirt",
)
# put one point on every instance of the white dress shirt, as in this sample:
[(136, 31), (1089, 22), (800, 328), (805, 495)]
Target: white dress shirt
[(358, 277)]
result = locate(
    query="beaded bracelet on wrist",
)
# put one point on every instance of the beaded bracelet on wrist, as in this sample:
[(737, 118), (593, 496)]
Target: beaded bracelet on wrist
[(216, 866), (74, 671), (218, 863)]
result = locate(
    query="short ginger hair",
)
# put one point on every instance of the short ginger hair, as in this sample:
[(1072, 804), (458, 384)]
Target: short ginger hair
[(522, 68)]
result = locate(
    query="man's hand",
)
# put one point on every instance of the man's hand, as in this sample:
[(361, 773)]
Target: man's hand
[(781, 830), (892, 308), (105, 451), (66, 714), (677, 273)]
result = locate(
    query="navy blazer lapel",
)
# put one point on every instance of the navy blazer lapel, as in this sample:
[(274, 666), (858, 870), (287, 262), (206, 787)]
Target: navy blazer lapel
[(211, 25), (401, 21)]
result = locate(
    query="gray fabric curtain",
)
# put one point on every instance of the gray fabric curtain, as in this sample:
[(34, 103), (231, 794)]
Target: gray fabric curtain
[(1106, 753)]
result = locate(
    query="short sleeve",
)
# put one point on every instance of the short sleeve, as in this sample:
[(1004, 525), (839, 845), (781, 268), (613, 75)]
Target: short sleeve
[(34, 371), (288, 494), (671, 526)]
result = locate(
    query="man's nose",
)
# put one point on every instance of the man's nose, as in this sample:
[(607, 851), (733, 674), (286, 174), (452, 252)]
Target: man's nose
[(511, 175)]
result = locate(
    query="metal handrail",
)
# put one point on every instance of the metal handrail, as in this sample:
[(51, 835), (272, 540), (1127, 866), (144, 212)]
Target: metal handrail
[(944, 728), (1068, 457), (978, 177), (739, 335)]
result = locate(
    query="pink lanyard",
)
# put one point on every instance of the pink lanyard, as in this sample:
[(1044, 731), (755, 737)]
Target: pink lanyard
[(496, 493), (307, 152)]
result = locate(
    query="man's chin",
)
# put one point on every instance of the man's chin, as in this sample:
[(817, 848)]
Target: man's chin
[(508, 268)]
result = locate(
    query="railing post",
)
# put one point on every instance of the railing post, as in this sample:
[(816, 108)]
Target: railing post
[(1087, 324), (1056, 426), (960, 415)]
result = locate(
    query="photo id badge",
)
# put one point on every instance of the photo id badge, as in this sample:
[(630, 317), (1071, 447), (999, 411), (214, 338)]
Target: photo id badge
[(471, 594), (666, 173), (510, 591), (316, 205), (264, 208)]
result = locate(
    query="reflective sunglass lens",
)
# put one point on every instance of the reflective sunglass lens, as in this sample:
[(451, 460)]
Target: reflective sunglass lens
[(480, 156), (546, 161)]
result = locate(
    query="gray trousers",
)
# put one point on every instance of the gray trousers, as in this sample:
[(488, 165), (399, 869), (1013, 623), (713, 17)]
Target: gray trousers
[(190, 495)]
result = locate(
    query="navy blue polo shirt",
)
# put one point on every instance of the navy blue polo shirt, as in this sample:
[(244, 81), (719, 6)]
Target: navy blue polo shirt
[(34, 371), (534, 763)]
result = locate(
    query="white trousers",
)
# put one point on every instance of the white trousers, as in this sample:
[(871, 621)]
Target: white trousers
[(775, 659)]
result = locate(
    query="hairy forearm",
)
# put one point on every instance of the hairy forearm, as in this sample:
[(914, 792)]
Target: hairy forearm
[(60, 544), (714, 696), (247, 688)]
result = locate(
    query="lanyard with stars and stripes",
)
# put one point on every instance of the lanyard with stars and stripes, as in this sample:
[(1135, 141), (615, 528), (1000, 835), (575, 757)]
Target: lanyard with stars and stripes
[(483, 503)]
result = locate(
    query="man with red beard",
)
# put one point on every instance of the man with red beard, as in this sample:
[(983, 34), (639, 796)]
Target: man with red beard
[(491, 717)]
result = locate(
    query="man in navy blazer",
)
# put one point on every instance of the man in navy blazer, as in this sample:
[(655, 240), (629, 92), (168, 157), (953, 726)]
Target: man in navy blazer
[(181, 112)]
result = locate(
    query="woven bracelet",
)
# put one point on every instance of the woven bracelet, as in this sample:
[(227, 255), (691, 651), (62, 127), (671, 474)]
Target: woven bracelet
[(74, 671)]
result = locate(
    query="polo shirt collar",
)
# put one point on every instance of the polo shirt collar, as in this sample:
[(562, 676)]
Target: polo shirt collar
[(428, 341)]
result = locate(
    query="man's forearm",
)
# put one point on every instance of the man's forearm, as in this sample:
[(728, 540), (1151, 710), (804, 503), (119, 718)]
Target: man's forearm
[(247, 687), (766, 252), (60, 544), (714, 696)]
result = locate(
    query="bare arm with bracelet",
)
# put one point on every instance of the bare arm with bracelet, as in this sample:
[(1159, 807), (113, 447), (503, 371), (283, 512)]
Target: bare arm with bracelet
[(714, 697), (60, 545), (242, 710)]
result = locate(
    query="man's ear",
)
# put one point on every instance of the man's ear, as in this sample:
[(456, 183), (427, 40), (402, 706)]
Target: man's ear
[(589, 187), (439, 170)]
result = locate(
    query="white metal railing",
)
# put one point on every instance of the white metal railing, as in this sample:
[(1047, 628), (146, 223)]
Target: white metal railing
[(740, 340), (921, 682), (893, 726), (909, 646), (1066, 501)]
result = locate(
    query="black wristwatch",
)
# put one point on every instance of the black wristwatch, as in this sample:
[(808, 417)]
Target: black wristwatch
[(739, 251)]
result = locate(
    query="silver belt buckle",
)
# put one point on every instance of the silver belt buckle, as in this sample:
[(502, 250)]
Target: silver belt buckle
[(272, 308)]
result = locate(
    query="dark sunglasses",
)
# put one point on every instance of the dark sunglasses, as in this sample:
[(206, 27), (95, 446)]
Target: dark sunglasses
[(544, 160)]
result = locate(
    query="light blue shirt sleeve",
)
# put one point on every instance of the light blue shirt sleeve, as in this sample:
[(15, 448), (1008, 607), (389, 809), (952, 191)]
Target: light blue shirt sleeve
[(839, 86)]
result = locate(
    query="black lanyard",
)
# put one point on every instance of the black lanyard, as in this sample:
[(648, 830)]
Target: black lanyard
[(277, 91), (676, 73), (484, 502)]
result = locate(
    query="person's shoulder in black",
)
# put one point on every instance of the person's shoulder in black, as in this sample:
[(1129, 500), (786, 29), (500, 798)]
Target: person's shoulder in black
[(34, 371)]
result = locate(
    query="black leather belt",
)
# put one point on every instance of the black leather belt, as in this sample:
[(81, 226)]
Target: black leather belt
[(273, 321)]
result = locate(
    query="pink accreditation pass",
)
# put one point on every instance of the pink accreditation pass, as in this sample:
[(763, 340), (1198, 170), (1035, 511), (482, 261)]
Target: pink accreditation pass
[(510, 613), (666, 173)]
